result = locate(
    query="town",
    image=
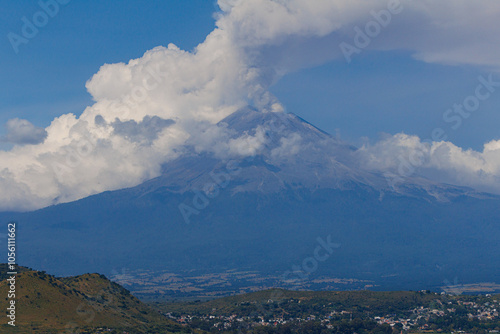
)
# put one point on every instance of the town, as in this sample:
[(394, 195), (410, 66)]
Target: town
[(439, 313)]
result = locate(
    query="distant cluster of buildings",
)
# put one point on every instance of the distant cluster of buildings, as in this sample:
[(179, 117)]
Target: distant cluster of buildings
[(421, 315), (487, 311), (418, 318)]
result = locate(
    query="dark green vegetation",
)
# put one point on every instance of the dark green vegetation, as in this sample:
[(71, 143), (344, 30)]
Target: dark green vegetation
[(281, 311), (306, 302)]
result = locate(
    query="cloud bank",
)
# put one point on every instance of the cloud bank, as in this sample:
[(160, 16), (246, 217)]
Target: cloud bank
[(147, 110), (401, 156)]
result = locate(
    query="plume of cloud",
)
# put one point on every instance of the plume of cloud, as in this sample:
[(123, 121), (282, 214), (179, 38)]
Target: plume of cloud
[(147, 110)]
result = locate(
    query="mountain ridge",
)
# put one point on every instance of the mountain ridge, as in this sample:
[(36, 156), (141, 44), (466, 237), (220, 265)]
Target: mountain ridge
[(332, 152), (267, 215)]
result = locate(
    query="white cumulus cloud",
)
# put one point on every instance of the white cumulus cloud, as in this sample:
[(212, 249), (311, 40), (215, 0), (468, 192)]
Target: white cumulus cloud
[(403, 156)]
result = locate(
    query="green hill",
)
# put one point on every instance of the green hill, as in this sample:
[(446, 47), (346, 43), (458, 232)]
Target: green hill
[(46, 304)]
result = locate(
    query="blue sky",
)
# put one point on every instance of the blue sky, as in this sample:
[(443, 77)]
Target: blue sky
[(389, 92), (378, 92)]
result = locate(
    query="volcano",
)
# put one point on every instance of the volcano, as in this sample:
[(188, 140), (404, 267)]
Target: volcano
[(298, 210)]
